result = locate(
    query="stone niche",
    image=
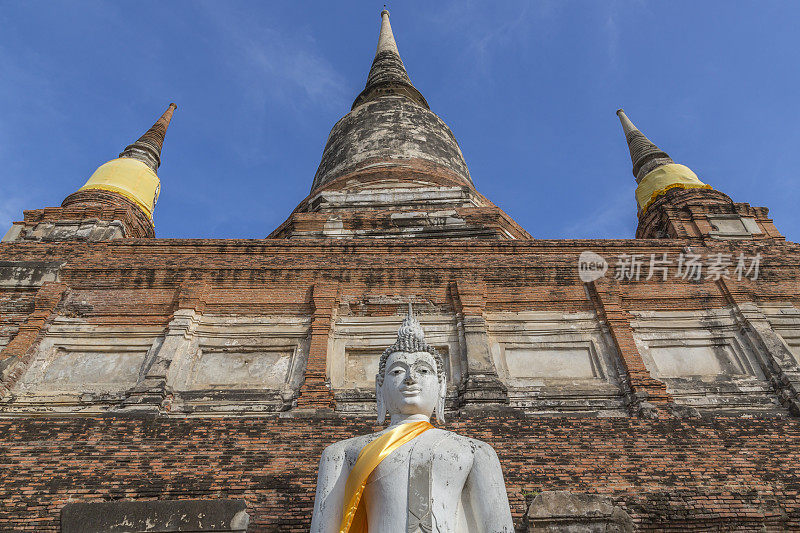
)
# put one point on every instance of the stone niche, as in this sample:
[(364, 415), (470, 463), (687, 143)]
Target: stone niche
[(733, 227), (237, 364), (28, 274), (566, 512), (67, 230), (80, 367), (704, 360), (162, 516), (247, 367), (554, 363), (357, 343), (785, 320)]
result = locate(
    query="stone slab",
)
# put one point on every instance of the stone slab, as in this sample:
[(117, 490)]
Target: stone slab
[(163, 516)]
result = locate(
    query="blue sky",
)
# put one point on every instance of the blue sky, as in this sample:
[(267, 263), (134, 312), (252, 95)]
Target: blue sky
[(528, 88)]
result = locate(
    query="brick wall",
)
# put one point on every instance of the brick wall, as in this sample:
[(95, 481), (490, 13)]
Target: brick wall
[(689, 474)]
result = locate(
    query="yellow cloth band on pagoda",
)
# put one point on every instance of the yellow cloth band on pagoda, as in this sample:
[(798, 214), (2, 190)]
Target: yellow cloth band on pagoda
[(131, 178), (354, 519), (664, 178)]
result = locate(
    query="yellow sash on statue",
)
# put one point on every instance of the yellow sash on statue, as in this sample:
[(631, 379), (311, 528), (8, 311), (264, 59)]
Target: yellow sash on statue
[(354, 519)]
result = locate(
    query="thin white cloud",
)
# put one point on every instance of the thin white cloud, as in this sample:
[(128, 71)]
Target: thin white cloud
[(611, 29), (11, 211), (278, 62), (492, 31), (614, 218), (275, 60), (26, 73), (277, 72)]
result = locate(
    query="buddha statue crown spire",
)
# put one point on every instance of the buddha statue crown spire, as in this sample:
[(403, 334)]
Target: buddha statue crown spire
[(410, 336), (410, 339)]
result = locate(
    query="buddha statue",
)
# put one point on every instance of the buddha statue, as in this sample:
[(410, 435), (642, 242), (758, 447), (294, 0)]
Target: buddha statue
[(410, 477)]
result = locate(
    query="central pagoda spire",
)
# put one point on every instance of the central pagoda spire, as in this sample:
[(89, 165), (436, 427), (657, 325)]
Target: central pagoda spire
[(391, 126), (388, 75), (391, 168), (387, 63)]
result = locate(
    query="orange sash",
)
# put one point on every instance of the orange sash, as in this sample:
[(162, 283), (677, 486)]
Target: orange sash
[(354, 519)]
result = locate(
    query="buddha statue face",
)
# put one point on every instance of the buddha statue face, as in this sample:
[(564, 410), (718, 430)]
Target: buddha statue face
[(411, 384), (411, 378)]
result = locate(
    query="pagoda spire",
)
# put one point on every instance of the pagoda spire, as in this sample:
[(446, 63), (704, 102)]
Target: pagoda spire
[(655, 171), (387, 64), (645, 155), (387, 75), (147, 148), (133, 174)]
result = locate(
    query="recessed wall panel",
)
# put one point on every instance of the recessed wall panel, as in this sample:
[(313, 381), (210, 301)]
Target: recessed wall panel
[(570, 362), (684, 361), (242, 369)]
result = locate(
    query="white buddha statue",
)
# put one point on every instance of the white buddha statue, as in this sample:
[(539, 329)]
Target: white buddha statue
[(411, 477)]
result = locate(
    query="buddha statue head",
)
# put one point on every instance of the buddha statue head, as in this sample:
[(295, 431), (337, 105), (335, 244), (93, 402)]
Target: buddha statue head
[(411, 377)]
